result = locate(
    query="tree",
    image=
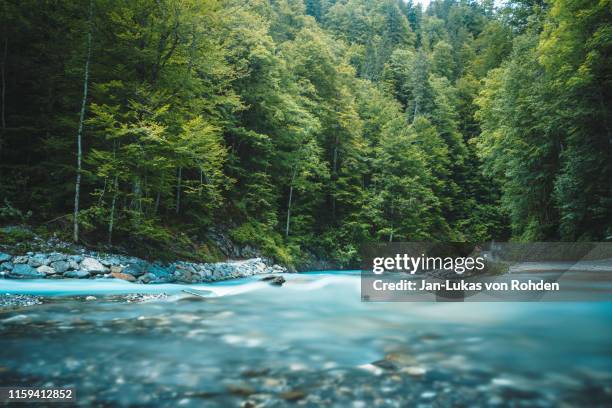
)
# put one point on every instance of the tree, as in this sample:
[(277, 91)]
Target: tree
[(77, 188)]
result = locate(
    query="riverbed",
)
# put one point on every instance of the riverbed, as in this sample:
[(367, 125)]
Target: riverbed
[(311, 342)]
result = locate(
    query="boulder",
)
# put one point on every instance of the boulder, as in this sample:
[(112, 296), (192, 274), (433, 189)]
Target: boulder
[(147, 277), (6, 266), (55, 257), (278, 281), (77, 274), (93, 266), (123, 276), (5, 257), (72, 264), (20, 260), (60, 266), (38, 260), (158, 271), (47, 270), (135, 269), (116, 269), (25, 271)]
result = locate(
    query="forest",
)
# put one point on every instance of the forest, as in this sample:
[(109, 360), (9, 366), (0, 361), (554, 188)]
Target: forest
[(306, 126)]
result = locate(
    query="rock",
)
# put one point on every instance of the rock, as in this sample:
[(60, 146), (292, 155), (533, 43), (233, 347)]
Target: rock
[(278, 281), (147, 277), (60, 266), (14, 301), (123, 276), (5, 257), (158, 271), (76, 258), (38, 260), (6, 266), (77, 274), (414, 371), (25, 271), (113, 260), (135, 269), (268, 278), (293, 395), (92, 266), (55, 257), (385, 364), (116, 269), (20, 260), (72, 264), (279, 269), (47, 270), (89, 298), (182, 276)]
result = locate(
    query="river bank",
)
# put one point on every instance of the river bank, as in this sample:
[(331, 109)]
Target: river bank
[(93, 265)]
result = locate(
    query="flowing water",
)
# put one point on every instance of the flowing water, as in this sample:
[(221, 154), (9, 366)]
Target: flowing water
[(311, 342)]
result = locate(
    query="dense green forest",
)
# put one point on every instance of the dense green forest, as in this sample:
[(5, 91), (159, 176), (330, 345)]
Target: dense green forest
[(306, 125)]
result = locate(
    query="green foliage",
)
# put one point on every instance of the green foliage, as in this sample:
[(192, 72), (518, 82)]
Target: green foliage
[(270, 242), (10, 214), (313, 125)]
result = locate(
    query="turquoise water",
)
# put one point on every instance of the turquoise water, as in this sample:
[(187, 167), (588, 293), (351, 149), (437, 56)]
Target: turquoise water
[(311, 342)]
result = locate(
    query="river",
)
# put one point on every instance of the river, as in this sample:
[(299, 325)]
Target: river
[(311, 342)]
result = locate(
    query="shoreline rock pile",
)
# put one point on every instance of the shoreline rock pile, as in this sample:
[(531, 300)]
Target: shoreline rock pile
[(92, 265)]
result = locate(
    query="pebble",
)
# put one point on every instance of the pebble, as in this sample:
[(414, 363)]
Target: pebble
[(12, 301)]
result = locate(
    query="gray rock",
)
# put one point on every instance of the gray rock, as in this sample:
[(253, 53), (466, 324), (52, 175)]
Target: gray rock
[(76, 258), (60, 266), (55, 257), (47, 270), (113, 260), (38, 260), (278, 281), (6, 266), (73, 264), (77, 274), (147, 277), (135, 269), (93, 266), (20, 260), (25, 271), (158, 271), (4, 257), (116, 269)]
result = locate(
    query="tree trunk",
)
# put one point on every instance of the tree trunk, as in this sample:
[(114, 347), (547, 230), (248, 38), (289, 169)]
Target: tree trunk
[(178, 189), (335, 177), (112, 214), (289, 203), (157, 199), (77, 189)]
